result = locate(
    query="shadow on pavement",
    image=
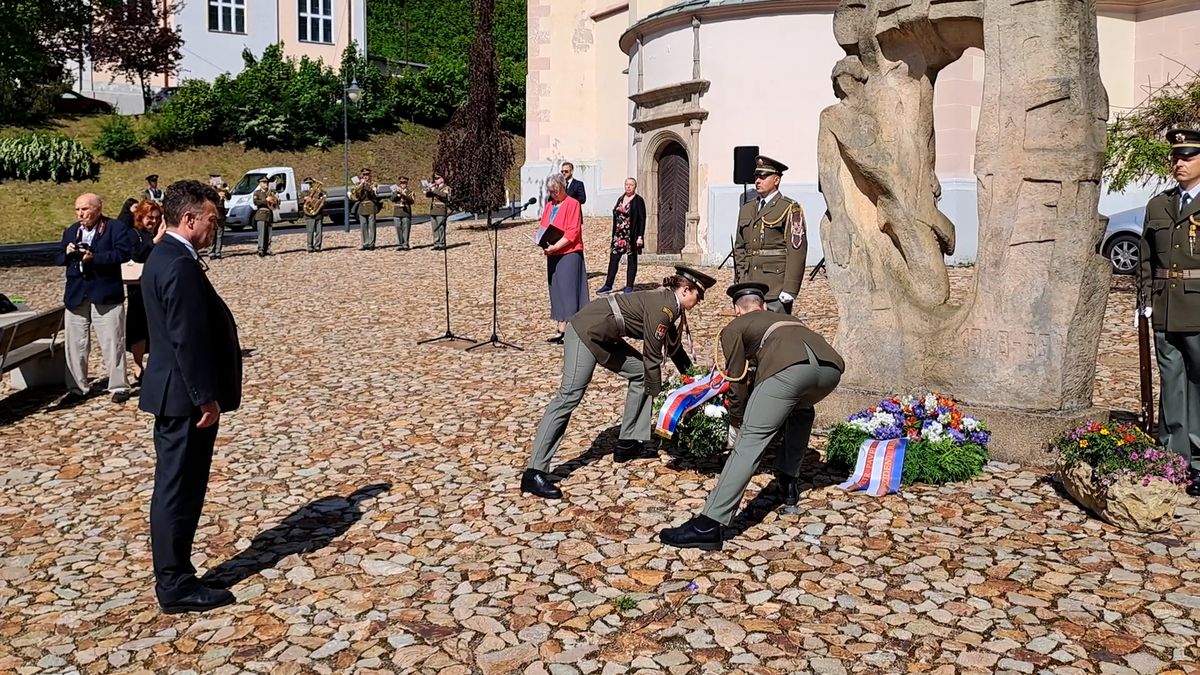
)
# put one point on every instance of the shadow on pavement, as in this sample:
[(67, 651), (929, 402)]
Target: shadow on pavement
[(309, 528)]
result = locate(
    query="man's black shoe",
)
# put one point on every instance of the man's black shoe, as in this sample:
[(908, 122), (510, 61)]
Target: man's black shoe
[(121, 396), (538, 483), (788, 489), (1193, 487), (72, 398), (439, 247), (200, 600), (557, 339), (700, 532), (629, 450), (215, 256)]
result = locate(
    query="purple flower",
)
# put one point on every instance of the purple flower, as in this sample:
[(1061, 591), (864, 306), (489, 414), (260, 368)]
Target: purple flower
[(887, 433), (891, 407), (980, 437), (957, 436), (693, 586)]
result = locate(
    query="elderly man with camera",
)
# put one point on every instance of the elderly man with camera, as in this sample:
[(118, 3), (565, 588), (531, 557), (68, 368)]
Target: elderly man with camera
[(92, 251)]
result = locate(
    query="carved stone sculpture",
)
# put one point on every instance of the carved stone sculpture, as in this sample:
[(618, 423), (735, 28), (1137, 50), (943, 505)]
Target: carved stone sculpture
[(1024, 337)]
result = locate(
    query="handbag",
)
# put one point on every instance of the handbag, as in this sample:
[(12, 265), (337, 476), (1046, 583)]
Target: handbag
[(131, 272)]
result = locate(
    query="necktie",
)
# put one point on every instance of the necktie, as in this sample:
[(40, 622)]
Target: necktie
[(762, 203), (1184, 201)]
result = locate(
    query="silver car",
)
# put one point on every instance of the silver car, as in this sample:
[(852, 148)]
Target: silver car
[(1120, 244)]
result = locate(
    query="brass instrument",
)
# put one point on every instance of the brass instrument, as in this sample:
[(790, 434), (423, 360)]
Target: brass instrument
[(314, 200), (272, 199)]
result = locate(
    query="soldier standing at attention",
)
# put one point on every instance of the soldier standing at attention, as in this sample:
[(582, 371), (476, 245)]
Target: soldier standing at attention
[(219, 235), (777, 369), (402, 201), (152, 193), (596, 335), (264, 203), (368, 209), (439, 209), (1168, 283), (314, 204), (772, 240)]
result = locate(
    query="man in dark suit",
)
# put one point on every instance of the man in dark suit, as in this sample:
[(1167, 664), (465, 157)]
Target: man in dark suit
[(194, 376), (574, 185), (1168, 281), (92, 250)]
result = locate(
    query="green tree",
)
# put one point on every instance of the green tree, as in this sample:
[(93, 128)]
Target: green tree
[(1137, 148), (37, 38), (135, 38)]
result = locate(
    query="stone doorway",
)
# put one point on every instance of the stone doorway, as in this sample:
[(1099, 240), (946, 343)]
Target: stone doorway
[(673, 196)]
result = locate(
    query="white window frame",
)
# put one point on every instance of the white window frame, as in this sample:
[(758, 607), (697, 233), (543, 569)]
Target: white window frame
[(234, 7), (307, 19)]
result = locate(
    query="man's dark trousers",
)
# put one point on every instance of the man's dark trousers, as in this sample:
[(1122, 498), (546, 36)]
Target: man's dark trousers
[(184, 454)]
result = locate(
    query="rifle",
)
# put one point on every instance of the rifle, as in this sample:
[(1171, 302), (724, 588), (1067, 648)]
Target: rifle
[(1144, 370)]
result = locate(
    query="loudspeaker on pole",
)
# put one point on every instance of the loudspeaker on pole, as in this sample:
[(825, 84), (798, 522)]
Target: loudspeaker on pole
[(743, 164)]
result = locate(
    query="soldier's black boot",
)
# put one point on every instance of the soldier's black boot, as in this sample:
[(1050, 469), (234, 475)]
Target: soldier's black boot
[(538, 483), (789, 491), (700, 532), (629, 450), (1193, 487)]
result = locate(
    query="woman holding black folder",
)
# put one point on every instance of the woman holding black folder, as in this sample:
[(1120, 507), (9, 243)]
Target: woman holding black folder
[(562, 223)]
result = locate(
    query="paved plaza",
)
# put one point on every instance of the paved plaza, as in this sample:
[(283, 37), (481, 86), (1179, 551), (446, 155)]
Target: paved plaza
[(364, 503)]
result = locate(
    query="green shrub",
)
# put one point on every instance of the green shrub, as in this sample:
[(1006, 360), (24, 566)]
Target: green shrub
[(192, 117), (118, 140), (41, 156), (431, 96)]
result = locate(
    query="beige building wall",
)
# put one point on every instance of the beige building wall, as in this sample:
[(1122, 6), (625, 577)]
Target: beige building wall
[(331, 54), (957, 97), (1117, 32)]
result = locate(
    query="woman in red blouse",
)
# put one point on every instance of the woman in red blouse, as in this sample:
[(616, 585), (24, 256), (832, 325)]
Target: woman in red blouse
[(565, 272)]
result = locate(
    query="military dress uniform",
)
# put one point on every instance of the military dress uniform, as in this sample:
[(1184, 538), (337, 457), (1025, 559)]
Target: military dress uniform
[(314, 205), (439, 210), (218, 244), (368, 210), (264, 216), (402, 201), (778, 369), (1169, 283), (596, 335), (152, 191), (772, 242)]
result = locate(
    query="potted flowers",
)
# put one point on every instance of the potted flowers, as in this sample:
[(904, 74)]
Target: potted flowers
[(944, 444), (701, 432), (1117, 471)]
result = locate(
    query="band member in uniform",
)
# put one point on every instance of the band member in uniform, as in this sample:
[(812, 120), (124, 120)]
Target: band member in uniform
[(596, 335), (314, 205), (223, 193), (402, 201), (265, 202), (152, 193), (772, 238), (368, 209), (777, 369), (439, 209), (1168, 281)]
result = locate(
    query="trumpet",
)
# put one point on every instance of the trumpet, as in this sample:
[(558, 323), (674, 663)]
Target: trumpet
[(272, 199)]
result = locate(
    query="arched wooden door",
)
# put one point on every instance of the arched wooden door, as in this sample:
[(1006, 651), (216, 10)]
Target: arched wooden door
[(673, 195)]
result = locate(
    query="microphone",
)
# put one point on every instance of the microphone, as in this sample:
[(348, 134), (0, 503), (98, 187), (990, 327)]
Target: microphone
[(531, 202)]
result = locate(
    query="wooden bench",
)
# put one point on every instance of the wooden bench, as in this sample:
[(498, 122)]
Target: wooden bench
[(29, 346)]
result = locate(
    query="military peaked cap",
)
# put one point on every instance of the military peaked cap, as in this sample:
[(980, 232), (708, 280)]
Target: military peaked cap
[(765, 166), (1184, 142)]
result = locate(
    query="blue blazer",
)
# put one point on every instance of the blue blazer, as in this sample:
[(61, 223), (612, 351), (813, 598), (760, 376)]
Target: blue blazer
[(99, 281), (197, 358)]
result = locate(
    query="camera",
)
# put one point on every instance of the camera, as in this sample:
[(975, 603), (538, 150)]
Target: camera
[(76, 257)]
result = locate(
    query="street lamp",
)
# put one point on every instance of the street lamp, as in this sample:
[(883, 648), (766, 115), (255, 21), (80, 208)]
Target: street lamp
[(350, 95)]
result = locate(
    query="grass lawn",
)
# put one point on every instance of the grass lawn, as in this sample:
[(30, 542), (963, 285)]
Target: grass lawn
[(40, 210)]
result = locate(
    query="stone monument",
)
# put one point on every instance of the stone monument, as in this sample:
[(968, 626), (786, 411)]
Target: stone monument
[(1019, 347)]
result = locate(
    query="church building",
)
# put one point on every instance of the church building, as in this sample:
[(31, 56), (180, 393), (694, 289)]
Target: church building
[(663, 91)]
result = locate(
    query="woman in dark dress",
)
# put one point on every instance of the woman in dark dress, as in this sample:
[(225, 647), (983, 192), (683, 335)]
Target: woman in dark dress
[(149, 229), (629, 224)]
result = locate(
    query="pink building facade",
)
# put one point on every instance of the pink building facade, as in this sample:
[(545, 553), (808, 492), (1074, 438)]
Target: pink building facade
[(664, 91)]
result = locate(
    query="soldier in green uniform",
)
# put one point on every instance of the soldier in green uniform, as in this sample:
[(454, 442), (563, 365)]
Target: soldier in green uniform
[(219, 236), (596, 335), (772, 238), (152, 193), (777, 369), (439, 209), (314, 205), (368, 209), (1169, 286), (402, 201), (264, 202)]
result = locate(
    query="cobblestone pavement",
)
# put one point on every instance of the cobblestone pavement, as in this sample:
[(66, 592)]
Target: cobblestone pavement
[(364, 500)]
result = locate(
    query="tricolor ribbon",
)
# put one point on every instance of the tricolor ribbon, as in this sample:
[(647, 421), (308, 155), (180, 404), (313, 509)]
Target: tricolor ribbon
[(686, 398), (879, 468)]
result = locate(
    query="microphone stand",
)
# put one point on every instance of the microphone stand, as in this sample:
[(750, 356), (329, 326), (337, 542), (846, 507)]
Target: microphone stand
[(495, 340), (449, 335)]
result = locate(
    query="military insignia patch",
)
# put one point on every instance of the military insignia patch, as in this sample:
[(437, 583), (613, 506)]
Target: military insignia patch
[(1179, 138), (799, 231), (660, 332), (670, 314)]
